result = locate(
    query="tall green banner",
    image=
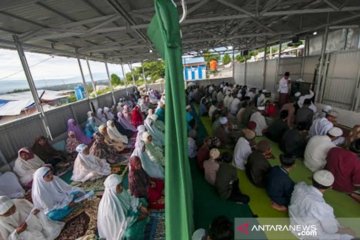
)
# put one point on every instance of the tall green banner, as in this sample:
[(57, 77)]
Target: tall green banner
[(164, 32)]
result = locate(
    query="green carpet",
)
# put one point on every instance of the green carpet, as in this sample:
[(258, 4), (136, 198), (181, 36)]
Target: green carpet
[(260, 204), (207, 204)]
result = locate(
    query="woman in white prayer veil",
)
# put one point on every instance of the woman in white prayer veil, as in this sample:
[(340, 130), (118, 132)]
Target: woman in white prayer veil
[(10, 186), (100, 115), (153, 169), (90, 114), (120, 215), (18, 221), (52, 195), (152, 128), (87, 166), (114, 133), (154, 152), (25, 166), (140, 130)]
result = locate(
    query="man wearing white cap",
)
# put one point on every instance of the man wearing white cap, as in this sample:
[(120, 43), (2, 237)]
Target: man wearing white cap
[(220, 96), (321, 126), (308, 207), (243, 149), (323, 112), (318, 147), (211, 166), (228, 99), (260, 121), (223, 131)]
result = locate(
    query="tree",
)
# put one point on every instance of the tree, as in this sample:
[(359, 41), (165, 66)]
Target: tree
[(208, 56), (115, 79), (226, 59)]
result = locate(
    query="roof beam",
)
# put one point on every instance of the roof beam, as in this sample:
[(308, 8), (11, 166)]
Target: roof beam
[(120, 10), (248, 35), (251, 15), (68, 33), (196, 7), (328, 2)]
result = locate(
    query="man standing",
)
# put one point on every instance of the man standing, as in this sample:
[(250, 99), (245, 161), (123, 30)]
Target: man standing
[(284, 89)]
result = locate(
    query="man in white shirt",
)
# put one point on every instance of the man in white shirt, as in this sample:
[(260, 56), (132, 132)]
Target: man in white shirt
[(260, 121), (318, 147), (235, 105), (220, 96), (243, 149), (308, 208), (321, 126), (212, 109), (228, 99), (284, 89)]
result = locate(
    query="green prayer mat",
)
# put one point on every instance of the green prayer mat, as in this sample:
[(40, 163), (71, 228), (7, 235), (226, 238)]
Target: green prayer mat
[(260, 204)]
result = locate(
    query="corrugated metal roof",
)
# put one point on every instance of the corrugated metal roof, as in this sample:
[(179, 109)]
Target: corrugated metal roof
[(108, 28)]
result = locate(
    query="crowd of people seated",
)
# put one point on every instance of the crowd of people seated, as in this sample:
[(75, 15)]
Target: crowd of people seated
[(135, 126), (239, 114)]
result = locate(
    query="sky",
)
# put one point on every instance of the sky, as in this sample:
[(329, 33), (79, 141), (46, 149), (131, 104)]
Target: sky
[(43, 66)]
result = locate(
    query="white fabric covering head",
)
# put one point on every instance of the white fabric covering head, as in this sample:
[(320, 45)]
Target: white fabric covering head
[(145, 137), (26, 168), (50, 195), (5, 204), (111, 219), (324, 177), (88, 166), (39, 227), (114, 133)]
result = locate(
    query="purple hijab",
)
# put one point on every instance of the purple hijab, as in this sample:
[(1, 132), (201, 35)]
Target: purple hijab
[(125, 123), (80, 136)]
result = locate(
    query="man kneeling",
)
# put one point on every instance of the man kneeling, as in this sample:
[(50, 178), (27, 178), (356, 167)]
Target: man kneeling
[(279, 185), (308, 207)]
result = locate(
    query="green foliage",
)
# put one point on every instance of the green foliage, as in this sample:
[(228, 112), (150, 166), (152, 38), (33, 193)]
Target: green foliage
[(115, 79), (19, 90), (239, 58), (208, 56), (226, 59), (153, 70), (72, 98)]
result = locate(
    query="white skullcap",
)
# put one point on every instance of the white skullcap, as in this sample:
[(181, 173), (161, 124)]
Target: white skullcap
[(214, 153), (5, 204), (327, 108), (297, 94), (335, 132), (223, 120), (198, 234), (188, 107), (333, 113), (324, 177), (261, 108)]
